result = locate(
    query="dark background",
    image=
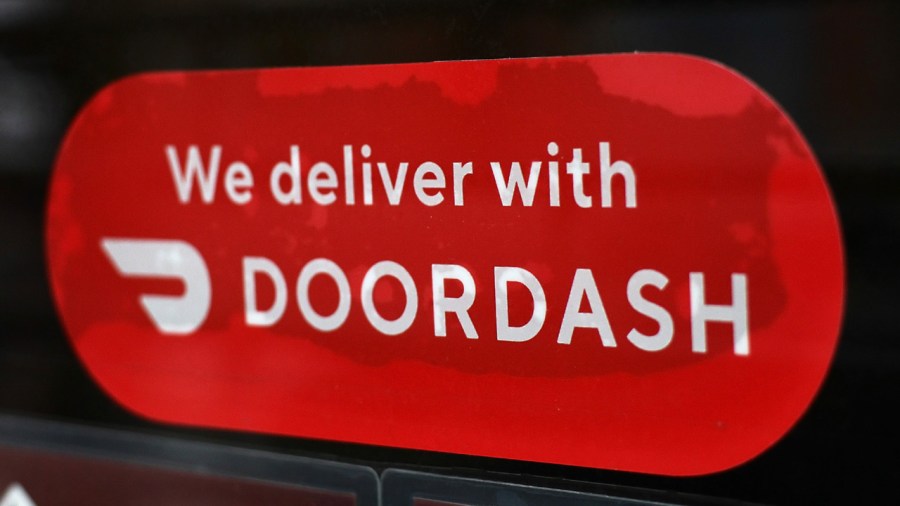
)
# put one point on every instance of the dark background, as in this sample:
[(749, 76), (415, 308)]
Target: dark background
[(832, 66)]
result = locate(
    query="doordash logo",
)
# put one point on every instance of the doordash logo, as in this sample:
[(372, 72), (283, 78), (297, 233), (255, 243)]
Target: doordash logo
[(185, 314), (599, 261), (171, 260)]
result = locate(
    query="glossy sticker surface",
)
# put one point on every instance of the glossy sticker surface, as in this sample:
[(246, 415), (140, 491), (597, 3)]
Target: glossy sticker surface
[(628, 262)]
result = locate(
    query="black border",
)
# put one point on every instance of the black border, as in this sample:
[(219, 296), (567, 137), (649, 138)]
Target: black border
[(189, 456)]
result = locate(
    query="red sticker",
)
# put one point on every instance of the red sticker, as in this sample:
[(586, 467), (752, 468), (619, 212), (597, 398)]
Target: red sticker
[(627, 262)]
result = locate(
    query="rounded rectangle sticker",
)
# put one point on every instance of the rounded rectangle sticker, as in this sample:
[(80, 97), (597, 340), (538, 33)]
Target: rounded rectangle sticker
[(627, 262)]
